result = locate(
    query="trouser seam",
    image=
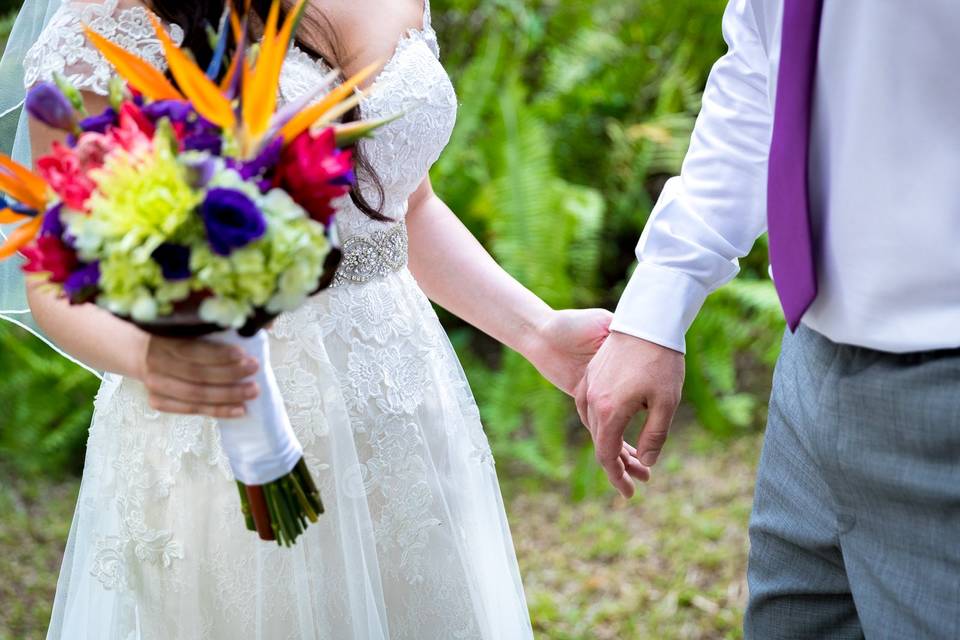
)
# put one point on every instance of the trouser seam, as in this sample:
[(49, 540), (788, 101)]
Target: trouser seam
[(818, 420)]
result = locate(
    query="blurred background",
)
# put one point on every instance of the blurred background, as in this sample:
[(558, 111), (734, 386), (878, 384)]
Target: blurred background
[(573, 114)]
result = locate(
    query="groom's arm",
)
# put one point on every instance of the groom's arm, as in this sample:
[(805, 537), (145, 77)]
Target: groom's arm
[(704, 221), (711, 214)]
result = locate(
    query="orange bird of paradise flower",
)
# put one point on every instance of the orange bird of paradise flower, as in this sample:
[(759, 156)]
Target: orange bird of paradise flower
[(29, 189)]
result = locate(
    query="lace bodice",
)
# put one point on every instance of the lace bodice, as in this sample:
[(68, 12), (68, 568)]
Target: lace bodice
[(412, 83), (63, 48)]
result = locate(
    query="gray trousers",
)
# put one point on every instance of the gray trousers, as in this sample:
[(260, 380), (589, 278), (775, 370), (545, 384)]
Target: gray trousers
[(856, 520)]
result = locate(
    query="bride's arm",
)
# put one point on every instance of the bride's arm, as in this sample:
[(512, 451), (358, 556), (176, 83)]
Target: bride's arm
[(182, 376), (457, 273)]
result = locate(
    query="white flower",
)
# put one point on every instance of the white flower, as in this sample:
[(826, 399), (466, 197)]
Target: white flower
[(278, 205), (144, 309), (227, 313)]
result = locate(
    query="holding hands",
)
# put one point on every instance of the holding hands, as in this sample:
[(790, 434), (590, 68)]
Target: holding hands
[(629, 375), (566, 350)]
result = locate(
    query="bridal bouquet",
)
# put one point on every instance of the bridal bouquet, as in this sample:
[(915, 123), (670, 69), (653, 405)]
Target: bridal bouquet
[(197, 208)]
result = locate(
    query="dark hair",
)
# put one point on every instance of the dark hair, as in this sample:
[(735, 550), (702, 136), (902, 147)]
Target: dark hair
[(195, 16)]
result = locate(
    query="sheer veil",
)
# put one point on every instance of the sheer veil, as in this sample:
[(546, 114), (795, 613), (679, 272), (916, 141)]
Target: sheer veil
[(15, 140)]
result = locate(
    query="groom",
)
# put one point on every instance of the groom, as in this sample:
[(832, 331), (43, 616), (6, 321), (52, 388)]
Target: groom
[(834, 125)]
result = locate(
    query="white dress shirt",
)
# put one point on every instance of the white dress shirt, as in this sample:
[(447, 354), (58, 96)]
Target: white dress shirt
[(884, 179)]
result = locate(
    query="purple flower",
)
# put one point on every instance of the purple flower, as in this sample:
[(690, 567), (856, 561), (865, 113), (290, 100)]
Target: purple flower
[(101, 122), (83, 284), (346, 180), (174, 110), (174, 261), (200, 170), (52, 224), (232, 220), (203, 141), (266, 160), (46, 103), (198, 134)]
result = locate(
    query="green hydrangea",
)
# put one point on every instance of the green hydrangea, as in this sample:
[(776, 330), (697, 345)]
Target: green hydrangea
[(278, 271), (141, 202), (137, 289)]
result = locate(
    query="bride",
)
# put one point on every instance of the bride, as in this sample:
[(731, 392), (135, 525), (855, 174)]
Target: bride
[(415, 542)]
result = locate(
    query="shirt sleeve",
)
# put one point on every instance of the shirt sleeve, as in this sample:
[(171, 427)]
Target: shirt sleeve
[(713, 213)]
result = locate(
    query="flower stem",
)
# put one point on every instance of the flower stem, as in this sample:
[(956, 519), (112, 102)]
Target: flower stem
[(260, 512), (281, 510), (245, 507)]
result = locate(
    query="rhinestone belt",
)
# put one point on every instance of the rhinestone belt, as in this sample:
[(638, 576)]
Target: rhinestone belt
[(366, 257)]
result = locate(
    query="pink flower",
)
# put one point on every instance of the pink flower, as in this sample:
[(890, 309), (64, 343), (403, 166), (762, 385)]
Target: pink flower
[(134, 132), (92, 150), (315, 173), (48, 254), (66, 175)]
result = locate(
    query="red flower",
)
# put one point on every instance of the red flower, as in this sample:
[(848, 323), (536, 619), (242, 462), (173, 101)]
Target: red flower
[(48, 254), (180, 130), (315, 173), (136, 115), (67, 176), (134, 131)]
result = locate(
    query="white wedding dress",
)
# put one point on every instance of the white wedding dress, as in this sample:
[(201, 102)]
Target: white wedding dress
[(415, 542)]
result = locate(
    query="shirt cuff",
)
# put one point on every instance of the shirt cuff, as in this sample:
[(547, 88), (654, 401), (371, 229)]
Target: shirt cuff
[(659, 305)]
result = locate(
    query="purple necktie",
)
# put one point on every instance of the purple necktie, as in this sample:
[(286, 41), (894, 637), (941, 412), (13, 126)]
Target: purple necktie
[(788, 205)]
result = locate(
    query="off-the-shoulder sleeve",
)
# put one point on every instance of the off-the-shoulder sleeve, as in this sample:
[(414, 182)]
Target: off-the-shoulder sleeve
[(63, 48)]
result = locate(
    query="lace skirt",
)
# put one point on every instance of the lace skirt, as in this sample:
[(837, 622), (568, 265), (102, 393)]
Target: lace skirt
[(414, 544)]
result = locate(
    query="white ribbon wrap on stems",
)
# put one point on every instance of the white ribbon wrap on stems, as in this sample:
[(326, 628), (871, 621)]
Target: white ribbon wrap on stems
[(261, 446)]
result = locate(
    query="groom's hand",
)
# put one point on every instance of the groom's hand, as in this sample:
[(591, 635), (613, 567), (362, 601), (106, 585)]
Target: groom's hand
[(627, 376)]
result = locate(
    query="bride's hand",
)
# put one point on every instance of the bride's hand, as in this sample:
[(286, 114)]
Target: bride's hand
[(565, 343), (562, 348), (197, 377)]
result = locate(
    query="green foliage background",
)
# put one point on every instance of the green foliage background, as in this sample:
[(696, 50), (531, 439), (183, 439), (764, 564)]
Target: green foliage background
[(572, 116)]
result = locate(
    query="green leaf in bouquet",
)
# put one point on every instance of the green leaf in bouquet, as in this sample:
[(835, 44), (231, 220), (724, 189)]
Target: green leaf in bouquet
[(349, 134), (118, 92), (71, 92), (165, 135)]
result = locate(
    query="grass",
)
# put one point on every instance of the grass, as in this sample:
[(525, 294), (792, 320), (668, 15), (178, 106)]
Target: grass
[(33, 531), (668, 564)]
